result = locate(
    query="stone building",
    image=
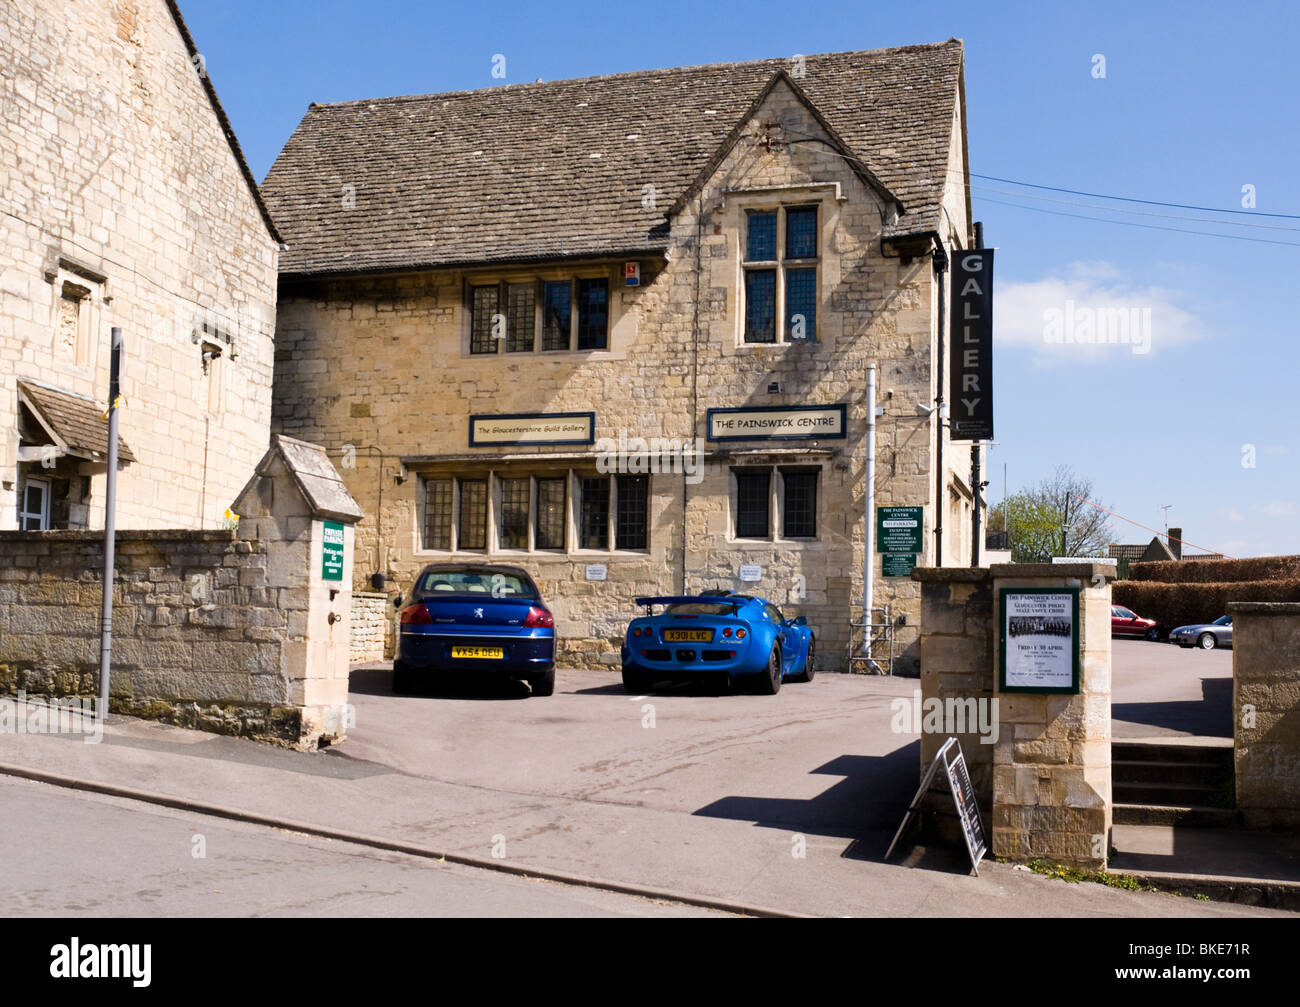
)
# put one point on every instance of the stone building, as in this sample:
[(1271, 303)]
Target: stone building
[(558, 325), (125, 201)]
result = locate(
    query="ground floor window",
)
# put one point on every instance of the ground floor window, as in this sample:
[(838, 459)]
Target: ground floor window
[(509, 511), (788, 493)]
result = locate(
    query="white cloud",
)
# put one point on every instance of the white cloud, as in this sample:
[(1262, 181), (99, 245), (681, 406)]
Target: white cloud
[(1275, 508), (1090, 314)]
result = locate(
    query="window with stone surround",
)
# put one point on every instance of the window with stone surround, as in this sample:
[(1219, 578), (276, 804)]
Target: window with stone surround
[(570, 314), (788, 492), (76, 302), (780, 260), (508, 511)]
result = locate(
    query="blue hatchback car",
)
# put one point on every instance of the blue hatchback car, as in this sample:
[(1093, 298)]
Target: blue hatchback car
[(743, 638), (476, 618)]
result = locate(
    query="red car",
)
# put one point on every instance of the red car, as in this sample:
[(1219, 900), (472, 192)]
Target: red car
[(1126, 623)]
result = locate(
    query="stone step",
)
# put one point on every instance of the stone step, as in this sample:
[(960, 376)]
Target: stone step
[(1217, 751), (1187, 816), (1172, 794), (1168, 771)]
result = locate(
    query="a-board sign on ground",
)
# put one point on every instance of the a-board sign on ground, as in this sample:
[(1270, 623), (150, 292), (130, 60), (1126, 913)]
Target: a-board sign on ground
[(952, 760)]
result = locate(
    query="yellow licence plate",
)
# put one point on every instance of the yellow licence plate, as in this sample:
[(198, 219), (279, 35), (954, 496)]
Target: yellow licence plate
[(489, 653), (688, 635)]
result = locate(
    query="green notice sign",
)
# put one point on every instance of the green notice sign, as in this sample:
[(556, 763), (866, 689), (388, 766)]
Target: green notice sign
[(898, 529), (897, 564), (331, 563)]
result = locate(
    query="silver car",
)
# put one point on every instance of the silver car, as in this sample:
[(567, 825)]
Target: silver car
[(1206, 635)]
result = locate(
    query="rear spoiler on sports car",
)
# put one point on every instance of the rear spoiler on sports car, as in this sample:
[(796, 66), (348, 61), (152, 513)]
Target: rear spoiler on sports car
[(681, 599)]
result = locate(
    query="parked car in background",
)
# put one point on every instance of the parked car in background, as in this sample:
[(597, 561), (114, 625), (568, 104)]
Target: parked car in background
[(1206, 635), (1126, 622), (475, 618), (720, 636)]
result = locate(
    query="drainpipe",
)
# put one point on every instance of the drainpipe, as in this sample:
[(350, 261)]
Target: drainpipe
[(868, 529), (941, 408)]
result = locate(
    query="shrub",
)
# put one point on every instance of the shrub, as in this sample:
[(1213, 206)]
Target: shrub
[(1179, 604), (1216, 571)]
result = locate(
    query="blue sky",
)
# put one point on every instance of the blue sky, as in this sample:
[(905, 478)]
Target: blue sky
[(1197, 101)]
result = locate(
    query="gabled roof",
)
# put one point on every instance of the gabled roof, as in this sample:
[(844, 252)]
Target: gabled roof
[(206, 80), (549, 170), (74, 423), (314, 475)]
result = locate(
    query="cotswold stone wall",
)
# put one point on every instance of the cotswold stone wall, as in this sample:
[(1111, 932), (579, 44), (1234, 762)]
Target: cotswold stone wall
[(197, 632), (370, 621), (119, 182), (382, 365), (1266, 709), (209, 628)]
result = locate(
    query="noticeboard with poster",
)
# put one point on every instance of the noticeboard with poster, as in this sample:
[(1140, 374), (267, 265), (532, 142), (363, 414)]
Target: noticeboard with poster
[(1038, 645)]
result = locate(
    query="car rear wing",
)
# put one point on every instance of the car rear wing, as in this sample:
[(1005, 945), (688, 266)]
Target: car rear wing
[(684, 599)]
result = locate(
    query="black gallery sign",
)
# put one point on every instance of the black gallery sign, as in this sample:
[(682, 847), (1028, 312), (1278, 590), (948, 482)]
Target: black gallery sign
[(971, 383)]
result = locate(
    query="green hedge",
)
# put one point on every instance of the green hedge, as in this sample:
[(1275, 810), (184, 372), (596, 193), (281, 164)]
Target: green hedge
[(1217, 571), (1174, 605)]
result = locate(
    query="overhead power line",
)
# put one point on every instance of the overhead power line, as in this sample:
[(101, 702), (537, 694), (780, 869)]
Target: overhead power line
[(1150, 227), (1130, 199), (1180, 541)]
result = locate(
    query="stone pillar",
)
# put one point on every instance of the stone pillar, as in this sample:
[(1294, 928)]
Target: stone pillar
[(1266, 712), (297, 507), (957, 640), (1051, 774)]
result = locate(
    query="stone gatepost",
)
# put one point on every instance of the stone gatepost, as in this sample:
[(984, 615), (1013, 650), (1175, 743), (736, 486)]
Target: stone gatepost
[(298, 508), (1039, 762), (1051, 763), (1266, 712)]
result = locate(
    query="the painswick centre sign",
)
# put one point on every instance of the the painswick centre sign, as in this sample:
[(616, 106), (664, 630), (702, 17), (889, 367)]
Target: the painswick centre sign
[(971, 382)]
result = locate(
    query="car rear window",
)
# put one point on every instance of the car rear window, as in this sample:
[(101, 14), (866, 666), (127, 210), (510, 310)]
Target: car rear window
[(490, 582), (699, 608)]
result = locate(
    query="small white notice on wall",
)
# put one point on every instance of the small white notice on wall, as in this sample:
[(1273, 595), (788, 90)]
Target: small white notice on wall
[(596, 571), (751, 572)]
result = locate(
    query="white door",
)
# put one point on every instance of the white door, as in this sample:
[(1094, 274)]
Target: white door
[(35, 514)]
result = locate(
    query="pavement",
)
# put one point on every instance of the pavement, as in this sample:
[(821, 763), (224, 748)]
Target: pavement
[(742, 803), (1162, 690)]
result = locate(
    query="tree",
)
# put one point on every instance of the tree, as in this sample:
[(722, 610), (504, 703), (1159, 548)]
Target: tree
[(1049, 519)]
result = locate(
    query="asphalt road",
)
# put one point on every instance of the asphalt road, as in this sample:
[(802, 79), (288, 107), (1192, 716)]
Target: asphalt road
[(1160, 689), (103, 856), (785, 801)]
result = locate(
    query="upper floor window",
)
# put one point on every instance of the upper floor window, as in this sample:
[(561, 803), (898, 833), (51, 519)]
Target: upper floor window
[(781, 258), (509, 315)]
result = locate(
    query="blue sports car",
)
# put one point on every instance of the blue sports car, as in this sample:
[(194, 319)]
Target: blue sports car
[(475, 618), (744, 638)]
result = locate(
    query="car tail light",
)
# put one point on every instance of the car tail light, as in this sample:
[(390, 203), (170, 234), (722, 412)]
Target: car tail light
[(539, 618), (727, 631), (417, 615), (740, 634), (636, 630)]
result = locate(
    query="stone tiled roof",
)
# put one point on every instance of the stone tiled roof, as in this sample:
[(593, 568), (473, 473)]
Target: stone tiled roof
[(77, 421), (534, 171)]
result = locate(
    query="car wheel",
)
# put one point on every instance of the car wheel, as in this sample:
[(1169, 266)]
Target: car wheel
[(543, 685), (1153, 633), (769, 683), (402, 684), (1206, 641), (636, 683), (809, 663)]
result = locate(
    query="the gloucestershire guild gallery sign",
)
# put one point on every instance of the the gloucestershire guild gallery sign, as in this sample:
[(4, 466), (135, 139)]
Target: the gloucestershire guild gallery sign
[(971, 382), (1039, 639), (532, 428), (770, 423)]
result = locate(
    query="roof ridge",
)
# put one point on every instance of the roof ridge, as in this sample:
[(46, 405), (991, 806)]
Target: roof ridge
[(626, 74)]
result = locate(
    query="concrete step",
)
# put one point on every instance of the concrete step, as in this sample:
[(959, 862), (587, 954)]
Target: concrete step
[(1169, 815)]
